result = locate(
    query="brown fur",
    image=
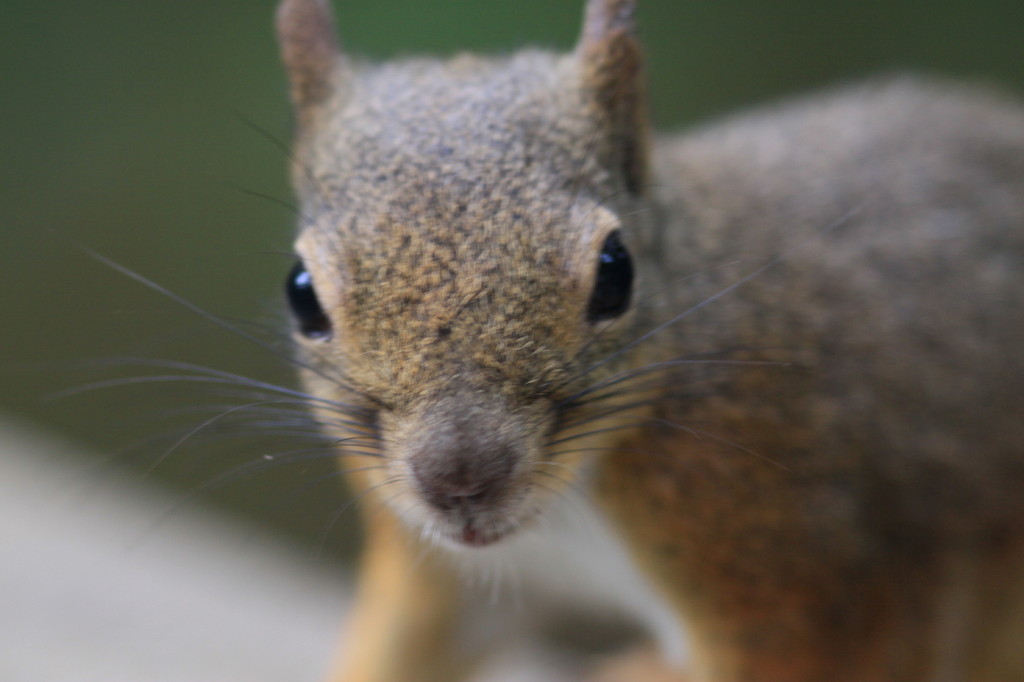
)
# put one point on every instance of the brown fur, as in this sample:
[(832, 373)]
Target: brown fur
[(824, 475)]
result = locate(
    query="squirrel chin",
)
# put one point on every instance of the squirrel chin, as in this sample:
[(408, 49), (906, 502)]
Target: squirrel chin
[(468, 535), (473, 536), (472, 533)]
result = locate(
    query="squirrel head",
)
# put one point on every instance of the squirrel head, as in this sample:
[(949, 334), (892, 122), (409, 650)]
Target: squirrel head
[(463, 253)]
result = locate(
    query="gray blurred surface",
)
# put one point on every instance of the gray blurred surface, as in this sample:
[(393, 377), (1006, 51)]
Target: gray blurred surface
[(95, 588)]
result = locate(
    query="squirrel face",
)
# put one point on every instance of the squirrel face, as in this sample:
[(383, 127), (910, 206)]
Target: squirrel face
[(463, 267), (459, 313)]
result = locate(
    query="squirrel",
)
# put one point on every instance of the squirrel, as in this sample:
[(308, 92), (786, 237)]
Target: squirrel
[(777, 362)]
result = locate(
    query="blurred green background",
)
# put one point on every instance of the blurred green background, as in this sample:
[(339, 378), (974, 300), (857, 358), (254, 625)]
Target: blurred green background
[(145, 132)]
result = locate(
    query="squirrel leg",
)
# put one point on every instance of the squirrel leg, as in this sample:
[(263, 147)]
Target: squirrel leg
[(402, 624), (784, 580)]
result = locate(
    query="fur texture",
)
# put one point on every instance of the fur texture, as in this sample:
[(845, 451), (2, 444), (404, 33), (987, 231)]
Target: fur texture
[(807, 427)]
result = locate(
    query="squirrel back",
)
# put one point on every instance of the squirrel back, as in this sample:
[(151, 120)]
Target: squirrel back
[(847, 445)]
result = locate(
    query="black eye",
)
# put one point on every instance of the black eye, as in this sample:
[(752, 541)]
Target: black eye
[(313, 323), (614, 281)]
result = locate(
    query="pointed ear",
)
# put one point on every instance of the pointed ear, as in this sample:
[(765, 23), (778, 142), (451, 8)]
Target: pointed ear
[(309, 50), (611, 67)]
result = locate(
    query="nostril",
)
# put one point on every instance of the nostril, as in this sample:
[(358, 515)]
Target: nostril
[(466, 490), (448, 495), (477, 494), (474, 498)]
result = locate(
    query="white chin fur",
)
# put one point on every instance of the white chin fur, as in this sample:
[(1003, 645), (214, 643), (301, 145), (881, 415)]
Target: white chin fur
[(569, 554)]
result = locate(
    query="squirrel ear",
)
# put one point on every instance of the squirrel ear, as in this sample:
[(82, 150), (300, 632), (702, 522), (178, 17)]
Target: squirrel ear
[(309, 49), (611, 67)]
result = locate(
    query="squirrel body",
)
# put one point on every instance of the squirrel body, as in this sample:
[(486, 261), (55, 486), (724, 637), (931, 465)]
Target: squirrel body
[(779, 360)]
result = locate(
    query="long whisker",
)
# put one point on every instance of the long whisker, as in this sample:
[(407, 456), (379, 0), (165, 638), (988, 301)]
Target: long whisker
[(287, 205), (611, 410), (197, 429), (350, 504), (648, 421), (207, 375), (640, 372), (265, 427), (208, 316), (286, 150), (725, 441), (234, 474)]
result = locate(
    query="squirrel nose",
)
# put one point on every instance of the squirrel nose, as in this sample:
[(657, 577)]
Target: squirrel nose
[(449, 488), (462, 455)]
